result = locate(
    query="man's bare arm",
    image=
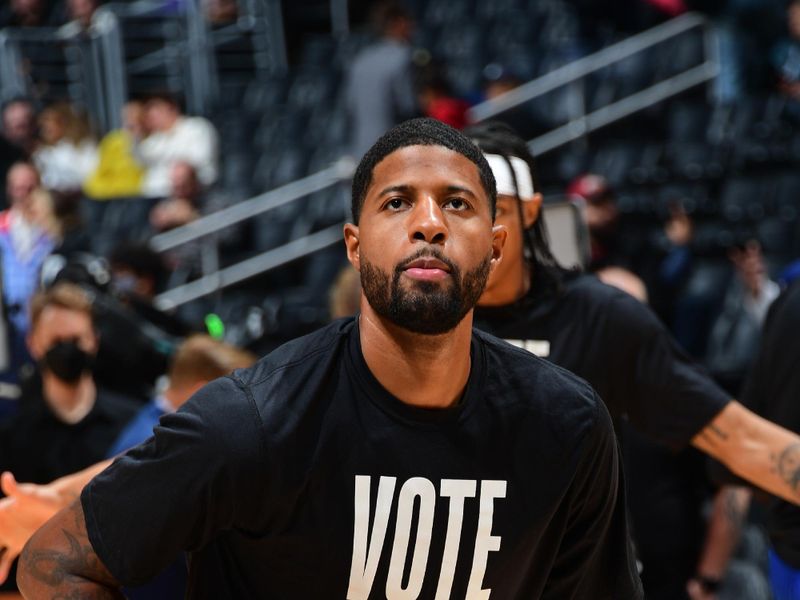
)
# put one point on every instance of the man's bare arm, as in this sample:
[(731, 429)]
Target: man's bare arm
[(757, 450), (59, 562)]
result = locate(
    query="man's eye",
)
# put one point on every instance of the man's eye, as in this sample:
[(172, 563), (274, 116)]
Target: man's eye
[(395, 203), (457, 204)]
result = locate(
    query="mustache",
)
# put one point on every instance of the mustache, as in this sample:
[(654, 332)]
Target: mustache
[(427, 253)]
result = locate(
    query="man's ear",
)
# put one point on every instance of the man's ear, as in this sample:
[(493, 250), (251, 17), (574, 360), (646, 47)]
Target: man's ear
[(351, 242), (499, 235), (530, 210)]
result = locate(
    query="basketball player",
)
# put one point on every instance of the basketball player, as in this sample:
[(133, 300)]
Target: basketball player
[(617, 344), (400, 454)]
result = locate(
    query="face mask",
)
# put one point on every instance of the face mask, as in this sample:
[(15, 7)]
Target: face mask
[(67, 361)]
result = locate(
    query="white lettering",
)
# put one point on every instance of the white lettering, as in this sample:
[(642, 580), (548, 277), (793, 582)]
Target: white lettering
[(364, 564), (485, 542), (416, 487), (457, 490), (540, 348)]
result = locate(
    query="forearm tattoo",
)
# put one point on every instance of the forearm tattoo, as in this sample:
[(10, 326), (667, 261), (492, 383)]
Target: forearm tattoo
[(788, 465), (69, 568)]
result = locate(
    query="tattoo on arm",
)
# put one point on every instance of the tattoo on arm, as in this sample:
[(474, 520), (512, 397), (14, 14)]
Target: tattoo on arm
[(718, 432), (788, 465), (63, 564)]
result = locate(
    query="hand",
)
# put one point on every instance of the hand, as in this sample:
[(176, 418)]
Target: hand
[(25, 508)]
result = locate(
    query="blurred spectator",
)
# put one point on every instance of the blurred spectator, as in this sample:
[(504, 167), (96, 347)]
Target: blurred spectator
[(119, 173), (26, 13), (643, 261), (68, 152), (380, 85), (81, 12), (737, 328), (172, 138), (197, 361), (786, 54), (19, 124), (437, 101), (220, 12), (24, 244), (188, 202), (183, 204), (137, 274), (65, 422), (602, 219)]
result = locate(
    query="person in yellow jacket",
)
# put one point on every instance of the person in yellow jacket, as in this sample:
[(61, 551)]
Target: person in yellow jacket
[(119, 174)]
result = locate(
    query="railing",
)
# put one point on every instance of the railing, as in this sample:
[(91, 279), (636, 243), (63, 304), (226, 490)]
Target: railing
[(103, 87), (583, 124), (578, 127)]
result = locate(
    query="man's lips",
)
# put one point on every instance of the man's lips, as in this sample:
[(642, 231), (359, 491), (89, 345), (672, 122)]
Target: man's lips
[(427, 269)]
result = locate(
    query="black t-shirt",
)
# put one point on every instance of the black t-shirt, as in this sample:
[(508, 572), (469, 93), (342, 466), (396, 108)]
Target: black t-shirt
[(619, 346), (303, 478), (38, 447), (773, 391)]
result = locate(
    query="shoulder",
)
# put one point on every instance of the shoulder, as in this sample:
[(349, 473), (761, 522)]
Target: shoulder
[(297, 356), (525, 383)]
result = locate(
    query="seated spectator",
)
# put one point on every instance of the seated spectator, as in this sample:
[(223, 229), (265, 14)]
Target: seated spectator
[(65, 422), (786, 54), (197, 361), (119, 173), (26, 13), (219, 13), (737, 328), (79, 16), (68, 153), (183, 204), (438, 102), (173, 138), (24, 244), (602, 220), (17, 139)]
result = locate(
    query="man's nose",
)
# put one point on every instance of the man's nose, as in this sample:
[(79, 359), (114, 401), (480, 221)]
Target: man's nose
[(428, 222)]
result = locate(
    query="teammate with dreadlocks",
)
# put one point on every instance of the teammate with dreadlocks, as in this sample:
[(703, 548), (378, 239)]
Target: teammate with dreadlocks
[(451, 464), (619, 346)]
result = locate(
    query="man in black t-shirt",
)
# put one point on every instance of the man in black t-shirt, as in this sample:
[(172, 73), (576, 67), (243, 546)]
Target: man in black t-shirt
[(772, 390), (396, 455), (651, 388)]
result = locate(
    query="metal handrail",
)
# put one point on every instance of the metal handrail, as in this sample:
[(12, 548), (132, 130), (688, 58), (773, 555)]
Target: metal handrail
[(584, 66), (250, 267), (622, 108), (339, 171)]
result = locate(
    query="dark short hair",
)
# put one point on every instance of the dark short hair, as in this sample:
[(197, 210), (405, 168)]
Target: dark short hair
[(419, 132)]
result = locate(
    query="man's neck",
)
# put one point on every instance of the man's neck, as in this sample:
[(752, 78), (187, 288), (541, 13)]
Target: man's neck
[(508, 293), (70, 403), (429, 371)]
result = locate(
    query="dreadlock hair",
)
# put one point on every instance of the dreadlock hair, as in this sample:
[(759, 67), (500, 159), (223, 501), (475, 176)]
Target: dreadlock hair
[(419, 132), (494, 137)]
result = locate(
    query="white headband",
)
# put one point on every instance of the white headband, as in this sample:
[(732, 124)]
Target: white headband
[(505, 182)]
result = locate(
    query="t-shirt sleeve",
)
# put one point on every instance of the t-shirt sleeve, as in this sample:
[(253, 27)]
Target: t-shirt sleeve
[(192, 480), (665, 394), (596, 558)]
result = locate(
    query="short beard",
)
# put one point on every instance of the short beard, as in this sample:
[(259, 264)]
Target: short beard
[(428, 308)]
